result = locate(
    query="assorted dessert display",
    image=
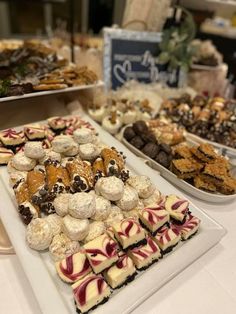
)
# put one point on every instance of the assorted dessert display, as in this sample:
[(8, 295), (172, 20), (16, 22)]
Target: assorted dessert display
[(120, 112), (199, 165), (13, 141), (211, 118), (101, 225), (34, 67)]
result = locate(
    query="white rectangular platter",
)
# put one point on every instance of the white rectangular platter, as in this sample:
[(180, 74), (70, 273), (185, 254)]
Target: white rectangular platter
[(52, 92), (54, 296)]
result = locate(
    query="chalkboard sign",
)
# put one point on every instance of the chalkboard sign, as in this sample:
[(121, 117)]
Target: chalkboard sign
[(134, 55)]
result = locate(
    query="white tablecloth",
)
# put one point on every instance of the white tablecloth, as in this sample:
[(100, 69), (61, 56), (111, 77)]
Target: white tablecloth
[(207, 286)]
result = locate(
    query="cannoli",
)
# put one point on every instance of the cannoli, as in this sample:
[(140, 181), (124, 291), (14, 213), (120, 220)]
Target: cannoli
[(113, 161), (26, 209), (57, 178), (98, 169), (81, 174), (36, 186)]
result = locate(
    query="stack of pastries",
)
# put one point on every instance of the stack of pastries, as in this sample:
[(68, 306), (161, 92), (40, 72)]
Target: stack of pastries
[(101, 225)]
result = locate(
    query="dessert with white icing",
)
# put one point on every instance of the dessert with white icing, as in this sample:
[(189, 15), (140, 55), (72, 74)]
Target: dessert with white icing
[(5, 155), (167, 237), (153, 199), (96, 228), (113, 122), (39, 234), (55, 223), (115, 216), (50, 154), (146, 254), (129, 199), (84, 136), (130, 116), (122, 272), (89, 292), (111, 188), (177, 207), (128, 232), (34, 150), (75, 229), (73, 267), (154, 217), (61, 204), (73, 151), (61, 247), (98, 113), (142, 184), (82, 205), (62, 143), (23, 163), (101, 252), (189, 227), (102, 208), (89, 151)]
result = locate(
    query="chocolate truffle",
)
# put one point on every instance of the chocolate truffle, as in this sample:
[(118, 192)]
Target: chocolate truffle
[(166, 148), (129, 133), (148, 137), (137, 142), (151, 150), (140, 127), (163, 159)]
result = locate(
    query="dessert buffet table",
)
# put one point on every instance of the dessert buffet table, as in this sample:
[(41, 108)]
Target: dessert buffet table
[(207, 286)]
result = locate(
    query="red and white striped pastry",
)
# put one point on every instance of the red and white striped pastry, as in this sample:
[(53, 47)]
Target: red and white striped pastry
[(154, 217), (73, 267), (90, 291), (128, 232), (11, 137), (34, 131), (57, 123), (177, 207), (189, 227), (146, 254), (121, 272), (5, 155), (101, 253), (167, 237)]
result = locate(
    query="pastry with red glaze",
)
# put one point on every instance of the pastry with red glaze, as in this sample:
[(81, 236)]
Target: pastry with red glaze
[(189, 227), (154, 217), (34, 131), (122, 272), (145, 255), (89, 292), (57, 123), (128, 232), (73, 267), (101, 253), (11, 137), (177, 207), (167, 237)]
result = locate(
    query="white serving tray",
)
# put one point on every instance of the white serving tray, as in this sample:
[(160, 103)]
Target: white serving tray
[(54, 296), (52, 92), (185, 186)]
